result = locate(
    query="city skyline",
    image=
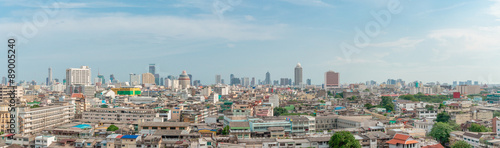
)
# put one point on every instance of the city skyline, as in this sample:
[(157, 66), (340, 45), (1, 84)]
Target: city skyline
[(461, 47)]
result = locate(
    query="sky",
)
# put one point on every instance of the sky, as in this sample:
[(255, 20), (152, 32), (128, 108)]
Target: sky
[(424, 40)]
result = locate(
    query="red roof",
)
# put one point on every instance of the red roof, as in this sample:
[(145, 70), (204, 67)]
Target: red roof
[(77, 95), (434, 146), (401, 139)]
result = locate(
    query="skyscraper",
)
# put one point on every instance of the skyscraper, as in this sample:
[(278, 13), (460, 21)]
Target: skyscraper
[(231, 81), (77, 76), (111, 78), (49, 82), (190, 79), (148, 78), (152, 69), (135, 79), (308, 81), (268, 78), (217, 79), (252, 83), (298, 74), (331, 79)]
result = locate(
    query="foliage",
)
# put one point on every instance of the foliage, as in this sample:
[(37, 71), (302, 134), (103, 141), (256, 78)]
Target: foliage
[(454, 125), (322, 101), (387, 103), (35, 106), (423, 98), (112, 127), (474, 127), (443, 117), (461, 144), (496, 113), (441, 106), (339, 95), (429, 107), (104, 106), (352, 98), (369, 106), (225, 131), (279, 110), (343, 139), (441, 132), (293, 114), (385, 114)]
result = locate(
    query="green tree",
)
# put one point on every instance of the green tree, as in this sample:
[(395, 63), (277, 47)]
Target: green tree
[(277, 111), (474, 127), (441, 106), (443, 117), (429, 107), (387, 103), (322, 101), (343, 139), (461, 144), (369, 106), (112, 127), (496, 113), (441, 132), (225, 131)]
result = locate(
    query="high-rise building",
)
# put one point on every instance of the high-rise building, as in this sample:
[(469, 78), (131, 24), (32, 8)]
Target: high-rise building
[(4, 81), (148, 78), (190, 79), (135, 79), (77, 76), (298, 74), (157, 79), (50, 77), (112, 78), (268, 78), (152, 69), (217, 79), (252, 83), (184, 80), (231, 77), (331, 79), (222, 81), (308, 81)]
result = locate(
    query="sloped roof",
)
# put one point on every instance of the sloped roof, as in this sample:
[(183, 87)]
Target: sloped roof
[(401, 139)]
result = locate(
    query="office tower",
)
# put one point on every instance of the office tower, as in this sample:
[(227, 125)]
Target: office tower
[(276, 82), (135, 79), (331, 79), (231, 77), (47, 81), (184, 80), (196, 83), (171, 77), (217, 79), (469, 82), (4, 81), (152, 69), (50, 77), (476, 83), (268, 78), (283, 81), (298, 74), (148, 78), (252, 83), (161, 81), (101, 78), (77, 76), (308, 82), (190, 79), (245, 81), (222, 81), (111, 78), (157, 79)]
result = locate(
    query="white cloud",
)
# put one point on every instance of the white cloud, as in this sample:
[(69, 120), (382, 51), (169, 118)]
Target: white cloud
[(316, 3), (480, 38), (495, 9), (405, 42), (249, 18)]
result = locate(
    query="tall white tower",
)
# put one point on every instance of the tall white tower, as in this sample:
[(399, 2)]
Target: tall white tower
[(298, 74), (50, 77)]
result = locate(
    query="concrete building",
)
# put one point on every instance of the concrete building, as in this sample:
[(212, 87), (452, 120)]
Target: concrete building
[(468, 89), (77, 76), (218, 79), (331, 79), (135, 79), (6, 90), (148, 78), (119, 115), (34, 120), (298, 75)]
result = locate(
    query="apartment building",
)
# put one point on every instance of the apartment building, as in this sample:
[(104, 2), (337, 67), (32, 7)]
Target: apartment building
[(164, 126), (119, 115), (6, 90), (34, 120)]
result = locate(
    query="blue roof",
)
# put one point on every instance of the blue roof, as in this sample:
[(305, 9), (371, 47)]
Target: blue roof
[(130, 136), (83, 126)]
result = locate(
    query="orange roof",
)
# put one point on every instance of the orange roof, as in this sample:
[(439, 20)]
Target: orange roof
[(77, 95), (434, 146), (401, 139)]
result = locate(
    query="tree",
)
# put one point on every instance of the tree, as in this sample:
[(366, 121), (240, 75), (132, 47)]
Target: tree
[(225, 131), (369, 106), (277, 111), (461, 144), (474, 127), (429, 107), (441, 132), (343, 139), (112, 127), (441, 106), (387, 103), (443, 117), (496, 113)]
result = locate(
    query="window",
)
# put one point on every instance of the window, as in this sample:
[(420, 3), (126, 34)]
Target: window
[(172, 128), (181, 128), (163, 127), (155, 127)]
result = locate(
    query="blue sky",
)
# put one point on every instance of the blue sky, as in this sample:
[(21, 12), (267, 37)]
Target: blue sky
[(427, 40)]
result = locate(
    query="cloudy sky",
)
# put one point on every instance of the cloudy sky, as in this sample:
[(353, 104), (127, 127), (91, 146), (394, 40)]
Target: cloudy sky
[(423, 40)]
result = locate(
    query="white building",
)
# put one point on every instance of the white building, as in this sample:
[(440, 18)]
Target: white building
[(44, 141), (275, 100), (135, 79), (77, 76)]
